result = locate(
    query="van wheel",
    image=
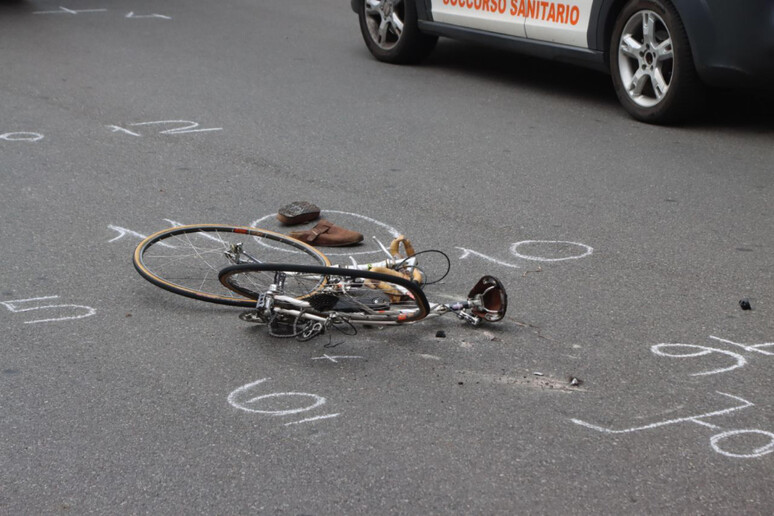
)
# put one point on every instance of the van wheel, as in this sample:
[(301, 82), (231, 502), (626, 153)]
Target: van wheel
[(651, 64), (390, 31)]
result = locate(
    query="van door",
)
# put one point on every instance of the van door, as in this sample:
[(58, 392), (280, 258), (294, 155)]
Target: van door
[(556, 21), (500, 16)]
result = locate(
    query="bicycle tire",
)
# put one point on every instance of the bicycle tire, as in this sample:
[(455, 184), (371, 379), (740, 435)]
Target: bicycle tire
[(242, 280), (186, 260)]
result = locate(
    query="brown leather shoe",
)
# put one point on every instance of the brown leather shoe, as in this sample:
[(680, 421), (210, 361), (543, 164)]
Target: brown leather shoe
[(327, 234), (297, 213)]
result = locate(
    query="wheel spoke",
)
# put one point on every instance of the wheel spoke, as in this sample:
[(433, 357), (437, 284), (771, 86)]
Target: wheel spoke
[(659, 84), (638, 82), (630, 46), (383, 32), (649, 29), (373, 8), (397, 25), (664, 50)]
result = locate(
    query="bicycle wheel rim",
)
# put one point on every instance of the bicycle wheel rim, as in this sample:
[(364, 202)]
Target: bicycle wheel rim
[(186, 260)]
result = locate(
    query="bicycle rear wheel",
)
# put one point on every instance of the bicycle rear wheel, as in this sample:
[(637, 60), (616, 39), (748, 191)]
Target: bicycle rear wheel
[(354, 295), (186, 260)]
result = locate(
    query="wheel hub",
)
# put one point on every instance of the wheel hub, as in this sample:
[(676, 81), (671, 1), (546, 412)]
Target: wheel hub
[(647, 57)]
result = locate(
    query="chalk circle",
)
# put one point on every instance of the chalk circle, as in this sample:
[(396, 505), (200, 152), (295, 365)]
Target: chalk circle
[(394, 233), (587, 250), (249, 404), (758, 452), (703, 350), (318, 400), (21, 137)]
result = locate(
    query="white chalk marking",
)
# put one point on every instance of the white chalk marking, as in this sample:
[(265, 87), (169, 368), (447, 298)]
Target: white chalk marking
[(21, 137), (65, 10), (115, 129), (755, 347), (162, 16), (691, 419), (704, 350), (391, 230), (516, 245), (122, 232), (334, 358), (311, 419), (318, 400), (9, 304), (758, 452), (467, 252), (14, 307), (203, 234), (187, 127), (243, 405)]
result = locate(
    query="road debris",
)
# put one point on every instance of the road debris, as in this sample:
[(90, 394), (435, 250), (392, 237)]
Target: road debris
[(491, 336), (543, 383), (539, 269)]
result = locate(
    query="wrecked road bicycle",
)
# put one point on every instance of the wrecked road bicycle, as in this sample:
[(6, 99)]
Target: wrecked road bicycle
[(294, 289)]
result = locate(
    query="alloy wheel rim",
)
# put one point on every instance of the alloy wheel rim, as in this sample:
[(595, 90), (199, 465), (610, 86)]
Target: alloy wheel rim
[(384, 19), (646, 58)]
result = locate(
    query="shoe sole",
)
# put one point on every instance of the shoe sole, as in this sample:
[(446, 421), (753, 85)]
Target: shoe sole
[(297, 213)]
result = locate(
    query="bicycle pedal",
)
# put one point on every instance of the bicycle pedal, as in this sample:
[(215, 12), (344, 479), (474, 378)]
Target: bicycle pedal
[(252, 316)]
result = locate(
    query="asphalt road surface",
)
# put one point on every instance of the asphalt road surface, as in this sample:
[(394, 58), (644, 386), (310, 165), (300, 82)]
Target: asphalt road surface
[(625, 248)]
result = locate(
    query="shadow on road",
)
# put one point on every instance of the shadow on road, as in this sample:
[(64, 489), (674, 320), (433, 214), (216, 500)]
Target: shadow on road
[(738, 110), (523, 71), (15, 6)]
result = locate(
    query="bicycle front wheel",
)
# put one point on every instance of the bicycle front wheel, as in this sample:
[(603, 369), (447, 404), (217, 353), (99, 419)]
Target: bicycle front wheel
[(186, 260)]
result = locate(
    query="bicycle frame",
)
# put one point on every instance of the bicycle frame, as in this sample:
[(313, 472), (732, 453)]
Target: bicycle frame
[(275, 302), (301, 307), (385, 292)]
